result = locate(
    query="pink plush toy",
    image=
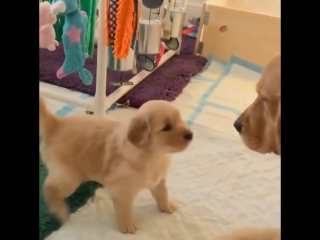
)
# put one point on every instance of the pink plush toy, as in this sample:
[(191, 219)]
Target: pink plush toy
[(46, 30)]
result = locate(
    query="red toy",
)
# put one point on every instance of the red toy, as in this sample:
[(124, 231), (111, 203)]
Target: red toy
[(160, 54)]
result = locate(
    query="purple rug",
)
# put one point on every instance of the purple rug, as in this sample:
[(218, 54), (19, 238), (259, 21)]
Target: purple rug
[(166, 83)]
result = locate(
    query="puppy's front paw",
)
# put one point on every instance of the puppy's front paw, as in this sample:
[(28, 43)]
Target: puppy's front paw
[(129, 227), (51, 47), (169, 207)]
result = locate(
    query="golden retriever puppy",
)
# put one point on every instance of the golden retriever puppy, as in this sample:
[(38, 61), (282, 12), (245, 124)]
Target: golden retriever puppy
[(260, 124), (123, 158), (252, 233)]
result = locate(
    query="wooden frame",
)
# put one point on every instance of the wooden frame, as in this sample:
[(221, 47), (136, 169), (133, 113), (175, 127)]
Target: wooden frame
[(239, 30)]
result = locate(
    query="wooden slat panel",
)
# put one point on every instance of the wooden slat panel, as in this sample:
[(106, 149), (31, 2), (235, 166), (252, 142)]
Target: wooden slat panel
[(250, 36), (266, 7), (201, 28)]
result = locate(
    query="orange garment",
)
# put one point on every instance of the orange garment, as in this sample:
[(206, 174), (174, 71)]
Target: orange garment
[(124, 29)]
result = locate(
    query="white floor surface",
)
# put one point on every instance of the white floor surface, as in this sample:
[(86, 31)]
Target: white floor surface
[(218, 183)]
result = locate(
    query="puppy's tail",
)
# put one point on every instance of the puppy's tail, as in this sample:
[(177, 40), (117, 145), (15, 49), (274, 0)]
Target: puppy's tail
[(47, 120)]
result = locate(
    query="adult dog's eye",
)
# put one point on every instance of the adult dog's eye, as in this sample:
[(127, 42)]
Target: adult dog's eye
[(264, 99), (167, 128)]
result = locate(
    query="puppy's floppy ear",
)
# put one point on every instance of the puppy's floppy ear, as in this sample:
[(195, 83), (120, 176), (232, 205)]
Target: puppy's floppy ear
[(138, 131)]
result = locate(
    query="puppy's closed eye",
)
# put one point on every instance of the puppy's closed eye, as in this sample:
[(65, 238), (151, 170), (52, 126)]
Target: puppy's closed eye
[(166, 128)]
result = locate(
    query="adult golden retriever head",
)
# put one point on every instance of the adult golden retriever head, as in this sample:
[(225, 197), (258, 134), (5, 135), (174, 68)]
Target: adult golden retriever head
[(260, 124), (158, 127)]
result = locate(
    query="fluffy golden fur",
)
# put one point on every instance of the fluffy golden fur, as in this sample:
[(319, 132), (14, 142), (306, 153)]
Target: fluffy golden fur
[(260, 124), (252, 233), (123, 158)]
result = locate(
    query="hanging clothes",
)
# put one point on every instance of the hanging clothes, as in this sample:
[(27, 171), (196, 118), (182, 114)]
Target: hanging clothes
[(124, 29), (90, 7), (126, 60)]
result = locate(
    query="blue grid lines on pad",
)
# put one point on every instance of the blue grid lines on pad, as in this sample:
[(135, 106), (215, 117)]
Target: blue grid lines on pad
[(67, 109), (203, 102)]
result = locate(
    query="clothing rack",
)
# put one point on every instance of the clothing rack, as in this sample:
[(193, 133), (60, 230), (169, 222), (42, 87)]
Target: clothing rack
[(100, 103)]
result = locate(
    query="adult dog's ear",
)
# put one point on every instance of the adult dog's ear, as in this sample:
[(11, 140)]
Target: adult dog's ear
[(278, 129), (139, 130)]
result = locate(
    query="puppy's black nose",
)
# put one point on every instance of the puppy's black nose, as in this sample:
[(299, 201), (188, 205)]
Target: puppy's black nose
[(238, 126), (188, 135)]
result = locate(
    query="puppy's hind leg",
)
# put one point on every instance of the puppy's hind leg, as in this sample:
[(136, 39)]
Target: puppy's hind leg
[(56, 189), (160, 194)]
